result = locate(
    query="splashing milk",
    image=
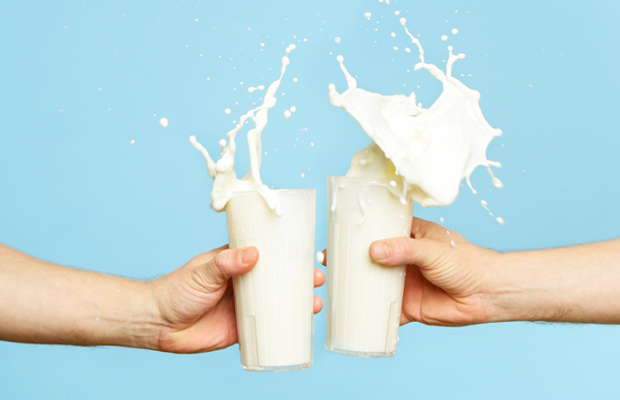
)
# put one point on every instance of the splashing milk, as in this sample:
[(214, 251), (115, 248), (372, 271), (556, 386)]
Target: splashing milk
[(223, 173), (427, 152)]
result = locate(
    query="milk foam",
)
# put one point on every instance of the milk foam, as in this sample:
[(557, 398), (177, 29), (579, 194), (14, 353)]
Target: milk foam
[(223, 173), (427, 152)]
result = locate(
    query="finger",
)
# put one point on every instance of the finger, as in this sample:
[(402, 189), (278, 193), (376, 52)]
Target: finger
[(204, 258), (321, 257), (318, 304), (319, 278), (421, 228), (406, 251), (412, 295), (226, 264)]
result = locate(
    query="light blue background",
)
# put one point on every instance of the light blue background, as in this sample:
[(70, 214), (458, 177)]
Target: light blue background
[(75, 192)]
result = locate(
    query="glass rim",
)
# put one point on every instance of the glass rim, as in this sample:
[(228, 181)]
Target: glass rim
[(285, 191), (355, 178)]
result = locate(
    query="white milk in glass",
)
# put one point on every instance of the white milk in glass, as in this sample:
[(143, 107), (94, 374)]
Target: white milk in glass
[(417, 154), (364, 299), (274, 301)]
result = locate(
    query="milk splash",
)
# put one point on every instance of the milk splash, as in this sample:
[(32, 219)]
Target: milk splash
[(426, 151), (225, 181)]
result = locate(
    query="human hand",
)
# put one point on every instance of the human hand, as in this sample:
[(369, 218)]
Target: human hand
[(196, 302), (446, 275)]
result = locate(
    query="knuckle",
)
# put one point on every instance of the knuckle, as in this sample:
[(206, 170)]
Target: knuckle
[(222, 259), (401, 250), (406, 247)]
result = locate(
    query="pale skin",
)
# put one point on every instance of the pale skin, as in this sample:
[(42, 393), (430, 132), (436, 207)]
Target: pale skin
[(463, 284), (190, 310)]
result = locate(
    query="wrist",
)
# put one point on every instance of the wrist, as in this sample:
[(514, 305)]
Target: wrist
[(519, 289), (136, 324), (147, 326)]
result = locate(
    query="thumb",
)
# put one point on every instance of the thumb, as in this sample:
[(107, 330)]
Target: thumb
[(226, 264), (404, 251)]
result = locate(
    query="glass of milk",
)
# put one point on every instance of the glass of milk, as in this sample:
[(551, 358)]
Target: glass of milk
[(274, 301), (364, 299)]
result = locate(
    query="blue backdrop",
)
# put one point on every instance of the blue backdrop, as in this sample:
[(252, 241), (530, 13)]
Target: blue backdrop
[(80, 80)]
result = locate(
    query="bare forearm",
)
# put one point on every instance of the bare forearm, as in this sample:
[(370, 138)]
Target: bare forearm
[(46, 303), (576, 284)]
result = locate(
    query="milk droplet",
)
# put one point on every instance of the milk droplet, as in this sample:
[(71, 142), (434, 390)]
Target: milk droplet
[(393, 184), (441, 219), (340, 59), (163, 122), (227, 111), (287, 114), (293, 109), (196, 19), (455, 31), (132, 142), (303, 175), (407, 50), (252, 89), (312, 144), (393, 34), (295, 80), (367, 15), (500, 220), (320, 257), (395, 48), (337, 40), (444, 37), (397, 13), (262, 45)]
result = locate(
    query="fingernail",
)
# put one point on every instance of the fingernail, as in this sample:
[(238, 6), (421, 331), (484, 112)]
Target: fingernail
[(380, 251), (248, 256)]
